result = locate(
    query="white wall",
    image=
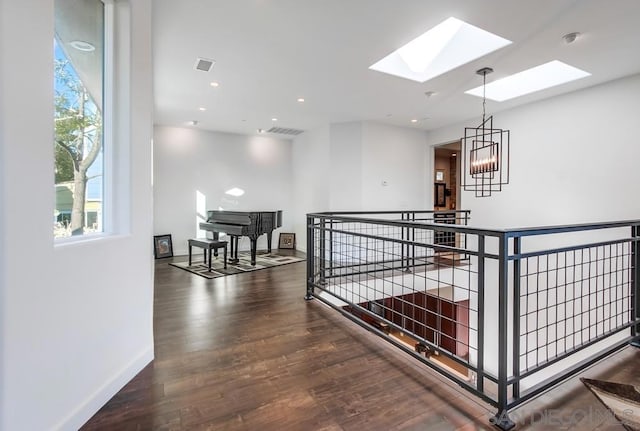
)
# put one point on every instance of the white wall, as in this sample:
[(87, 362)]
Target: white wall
[(341, 167), (189, 161), (573, 159), (345, 173), (76, 319), (3, 240), (311, 182), (397, 155)]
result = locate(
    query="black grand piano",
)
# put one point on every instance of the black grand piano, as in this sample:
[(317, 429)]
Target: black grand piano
[(243, 223)]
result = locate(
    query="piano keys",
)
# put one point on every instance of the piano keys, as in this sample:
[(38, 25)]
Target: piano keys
[(243, 223)]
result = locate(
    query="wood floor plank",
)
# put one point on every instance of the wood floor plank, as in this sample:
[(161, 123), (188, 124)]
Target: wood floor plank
[(247, 352)]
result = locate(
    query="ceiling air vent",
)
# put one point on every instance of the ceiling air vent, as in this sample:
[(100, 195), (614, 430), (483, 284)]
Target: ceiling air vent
[(204, 64), (284, 131)]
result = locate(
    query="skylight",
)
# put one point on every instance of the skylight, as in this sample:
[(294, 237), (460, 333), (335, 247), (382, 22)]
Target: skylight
[(446, 46), (531, 80)]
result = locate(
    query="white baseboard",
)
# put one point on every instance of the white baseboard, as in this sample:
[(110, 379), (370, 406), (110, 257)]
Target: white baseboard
[(99, 398)]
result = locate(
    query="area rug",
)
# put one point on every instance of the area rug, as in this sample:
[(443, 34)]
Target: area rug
[(263, 260), (622, 400)]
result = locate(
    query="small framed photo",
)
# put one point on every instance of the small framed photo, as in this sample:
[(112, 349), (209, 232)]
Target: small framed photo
[(162, 246), (287, 240), (439, 175)]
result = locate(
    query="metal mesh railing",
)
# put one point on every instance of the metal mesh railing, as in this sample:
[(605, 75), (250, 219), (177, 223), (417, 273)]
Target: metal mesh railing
[(572, 298), (503, 323)]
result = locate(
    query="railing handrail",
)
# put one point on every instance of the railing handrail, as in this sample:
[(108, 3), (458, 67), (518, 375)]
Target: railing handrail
[(329, 213), (545, 230), (509, 232), (445, 227)]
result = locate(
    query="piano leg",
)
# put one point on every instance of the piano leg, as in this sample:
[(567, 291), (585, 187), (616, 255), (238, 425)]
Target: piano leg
[(254, 242), (236, 238), (234, 249), (216, 237), (269, 240)]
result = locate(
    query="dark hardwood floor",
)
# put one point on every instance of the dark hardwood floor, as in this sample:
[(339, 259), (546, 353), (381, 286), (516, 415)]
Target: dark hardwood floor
[(247, 352)]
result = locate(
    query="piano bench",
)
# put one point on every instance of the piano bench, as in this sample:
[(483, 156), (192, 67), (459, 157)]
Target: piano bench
[(208, 245)]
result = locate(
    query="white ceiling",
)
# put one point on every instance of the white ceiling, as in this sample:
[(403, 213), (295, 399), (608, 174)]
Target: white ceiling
[(268, 53)]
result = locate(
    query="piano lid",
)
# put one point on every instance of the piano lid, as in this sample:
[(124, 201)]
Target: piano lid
[(241, 212), (244, 217)]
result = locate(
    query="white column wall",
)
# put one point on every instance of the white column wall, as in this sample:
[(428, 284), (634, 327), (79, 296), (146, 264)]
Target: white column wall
[(3, 240), (341, 167), (398, 157), (188, 161), (76, 320), (345, 174), (311, 178)]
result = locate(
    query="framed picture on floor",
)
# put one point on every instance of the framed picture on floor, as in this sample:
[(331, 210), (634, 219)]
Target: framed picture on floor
[(287, 240), (162, 246)]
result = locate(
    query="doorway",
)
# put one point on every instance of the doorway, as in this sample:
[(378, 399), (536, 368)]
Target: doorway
[(446, 173)]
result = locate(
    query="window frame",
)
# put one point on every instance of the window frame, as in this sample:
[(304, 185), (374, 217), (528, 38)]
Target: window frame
[(109, 71)]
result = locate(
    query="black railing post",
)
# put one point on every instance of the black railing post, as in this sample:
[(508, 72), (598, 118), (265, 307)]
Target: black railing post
[(464, 235), (516, 319), (322, 250), (413, 241), (635, 283), (310, 257), (404, 254), (501, 419), (331, 247), (481, 307)]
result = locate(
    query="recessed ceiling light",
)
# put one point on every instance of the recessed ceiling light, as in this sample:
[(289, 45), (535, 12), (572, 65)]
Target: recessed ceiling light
[(300, 99), (193, 122), (215, 84), (202, 109), (414, 120), (81, 45), (453, 154), (529, 81), (446, 46), (235, 192), (274, 119)]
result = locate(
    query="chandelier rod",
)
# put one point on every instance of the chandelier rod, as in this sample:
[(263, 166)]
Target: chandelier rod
[(484, 95), (484, 71)]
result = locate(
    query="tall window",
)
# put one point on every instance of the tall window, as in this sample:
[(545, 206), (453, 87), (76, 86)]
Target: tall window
[(79, 57)]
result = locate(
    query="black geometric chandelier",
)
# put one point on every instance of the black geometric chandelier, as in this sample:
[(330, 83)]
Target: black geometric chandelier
[(485, 165)]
